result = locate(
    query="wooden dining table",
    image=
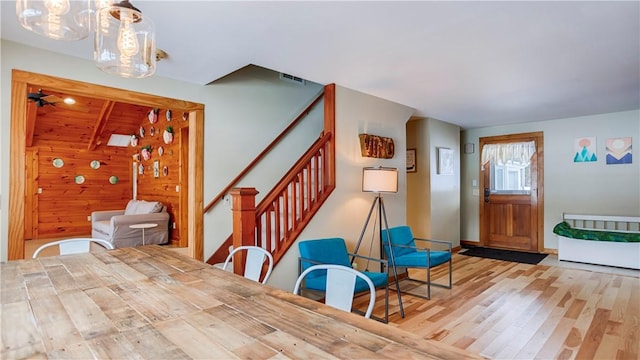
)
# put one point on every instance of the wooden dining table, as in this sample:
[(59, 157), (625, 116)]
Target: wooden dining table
[(150, 302)]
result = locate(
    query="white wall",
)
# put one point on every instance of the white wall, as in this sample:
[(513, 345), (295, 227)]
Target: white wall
[(345, 212), (584, 188), (433, 202)]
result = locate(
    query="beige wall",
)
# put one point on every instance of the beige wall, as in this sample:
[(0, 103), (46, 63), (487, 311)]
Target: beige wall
[(584, 188), (238, 124), (235, 132), (345, 212), (433, 200)]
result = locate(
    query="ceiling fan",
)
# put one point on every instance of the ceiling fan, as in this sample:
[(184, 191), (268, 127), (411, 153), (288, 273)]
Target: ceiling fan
[(41, 99)]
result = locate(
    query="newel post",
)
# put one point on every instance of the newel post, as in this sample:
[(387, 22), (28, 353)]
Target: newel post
[(244, 223)]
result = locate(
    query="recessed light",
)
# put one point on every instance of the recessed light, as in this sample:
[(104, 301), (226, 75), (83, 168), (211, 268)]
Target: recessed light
[(69, 100)]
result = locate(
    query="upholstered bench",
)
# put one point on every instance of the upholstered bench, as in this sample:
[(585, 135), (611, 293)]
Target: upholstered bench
[(601, 240)]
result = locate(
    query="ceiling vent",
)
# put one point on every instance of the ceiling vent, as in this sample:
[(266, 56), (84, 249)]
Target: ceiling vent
[(292, 78), (119, 140)]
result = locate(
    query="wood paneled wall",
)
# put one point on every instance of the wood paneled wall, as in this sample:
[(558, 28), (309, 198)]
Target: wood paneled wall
[(160, 185), (59, 202), (65, 201)]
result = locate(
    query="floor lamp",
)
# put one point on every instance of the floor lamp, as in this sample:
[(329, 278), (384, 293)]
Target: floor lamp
[(380, 180)]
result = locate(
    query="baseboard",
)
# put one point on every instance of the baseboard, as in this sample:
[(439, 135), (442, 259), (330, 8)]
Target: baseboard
[(469, 243)]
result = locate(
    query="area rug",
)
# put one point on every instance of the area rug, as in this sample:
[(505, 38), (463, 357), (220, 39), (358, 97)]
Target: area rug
[(506, 255)]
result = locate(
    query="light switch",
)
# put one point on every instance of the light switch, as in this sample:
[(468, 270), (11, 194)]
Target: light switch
[(474, 183)]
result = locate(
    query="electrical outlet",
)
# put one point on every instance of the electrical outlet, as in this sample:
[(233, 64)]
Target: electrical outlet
[(177, 188), (39, 190), (174, 225), (89, 218)]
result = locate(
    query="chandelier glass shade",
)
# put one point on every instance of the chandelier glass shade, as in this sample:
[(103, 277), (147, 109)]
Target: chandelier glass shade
[(125, 42), (56, 19)]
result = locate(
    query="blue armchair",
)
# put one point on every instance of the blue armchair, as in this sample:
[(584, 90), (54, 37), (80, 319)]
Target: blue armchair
[(405, 254), (334, 251)]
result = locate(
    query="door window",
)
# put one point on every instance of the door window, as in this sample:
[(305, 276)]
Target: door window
[(510, 166)]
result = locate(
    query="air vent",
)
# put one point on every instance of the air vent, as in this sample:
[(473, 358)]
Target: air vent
[(292, 78)]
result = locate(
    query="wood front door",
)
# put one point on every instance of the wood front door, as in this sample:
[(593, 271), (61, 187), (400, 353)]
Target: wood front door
[(511, 198)]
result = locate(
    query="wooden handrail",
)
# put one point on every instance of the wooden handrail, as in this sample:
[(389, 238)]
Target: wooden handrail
[(288, 208), (291, 175), (264, 152)]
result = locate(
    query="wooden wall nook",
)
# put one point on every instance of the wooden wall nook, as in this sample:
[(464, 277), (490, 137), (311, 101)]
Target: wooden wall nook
[(54, 200)]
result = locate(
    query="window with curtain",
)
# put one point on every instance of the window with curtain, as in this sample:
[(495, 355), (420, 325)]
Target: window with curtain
[(510, 166)]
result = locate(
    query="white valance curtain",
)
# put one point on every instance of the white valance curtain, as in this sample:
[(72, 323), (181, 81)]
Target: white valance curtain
[(501, 154)]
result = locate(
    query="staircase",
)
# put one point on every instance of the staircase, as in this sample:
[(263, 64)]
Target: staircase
[(275, 223)]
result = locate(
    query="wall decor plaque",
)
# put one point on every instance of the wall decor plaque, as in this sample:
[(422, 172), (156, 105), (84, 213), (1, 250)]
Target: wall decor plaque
[(376, 146)]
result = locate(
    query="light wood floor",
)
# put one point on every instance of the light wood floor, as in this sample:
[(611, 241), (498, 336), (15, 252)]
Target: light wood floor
[(505, 310)]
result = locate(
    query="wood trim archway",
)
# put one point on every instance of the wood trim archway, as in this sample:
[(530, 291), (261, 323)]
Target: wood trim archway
[(22, 80)]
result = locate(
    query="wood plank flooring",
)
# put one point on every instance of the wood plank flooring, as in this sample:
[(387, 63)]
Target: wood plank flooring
[(505, 310)]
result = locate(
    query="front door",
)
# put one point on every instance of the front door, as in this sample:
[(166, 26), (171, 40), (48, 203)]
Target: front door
[(511, 198)]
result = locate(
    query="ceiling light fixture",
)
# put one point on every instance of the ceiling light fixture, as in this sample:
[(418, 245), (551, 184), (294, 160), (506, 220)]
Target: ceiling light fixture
[(125, 41), (56, 19)]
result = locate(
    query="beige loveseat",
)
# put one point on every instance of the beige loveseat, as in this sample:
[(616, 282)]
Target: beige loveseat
[(114, 225)]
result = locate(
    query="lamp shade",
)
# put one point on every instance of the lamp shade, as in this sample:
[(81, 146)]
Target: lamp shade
[(379, 179), (125, 41), (56, 19)]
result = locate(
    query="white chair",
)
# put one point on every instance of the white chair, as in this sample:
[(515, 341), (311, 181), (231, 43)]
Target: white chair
[(255, 258), (340, 285), (74, 246)]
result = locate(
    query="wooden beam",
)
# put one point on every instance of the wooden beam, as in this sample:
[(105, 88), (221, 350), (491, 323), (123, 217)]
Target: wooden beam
[(32, 114), (101, 123)]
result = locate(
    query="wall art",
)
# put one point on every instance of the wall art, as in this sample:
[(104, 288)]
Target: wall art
[(376, 146), (445, 161), (153, 115), (146, 152), (411, 160), (156, 169), (134, 140), (167, 135), (585, 149), (619, 151)]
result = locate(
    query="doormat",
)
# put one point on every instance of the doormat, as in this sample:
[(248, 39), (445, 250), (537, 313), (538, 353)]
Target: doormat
[(506, 255)]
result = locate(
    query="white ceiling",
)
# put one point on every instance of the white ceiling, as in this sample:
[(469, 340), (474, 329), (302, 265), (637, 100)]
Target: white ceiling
[(469, 63)]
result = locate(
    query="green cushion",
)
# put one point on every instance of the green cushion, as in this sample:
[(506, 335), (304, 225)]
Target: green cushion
[(564, 229)]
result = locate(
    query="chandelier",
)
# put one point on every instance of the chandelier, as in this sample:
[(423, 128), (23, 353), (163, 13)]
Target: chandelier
[(124, 42)]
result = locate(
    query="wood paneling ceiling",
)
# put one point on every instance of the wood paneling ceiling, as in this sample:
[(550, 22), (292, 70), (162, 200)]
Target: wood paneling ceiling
[(86, 124)]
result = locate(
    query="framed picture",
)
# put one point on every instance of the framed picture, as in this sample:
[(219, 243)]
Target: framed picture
[(445, 161), (411, 160), (156, 169)]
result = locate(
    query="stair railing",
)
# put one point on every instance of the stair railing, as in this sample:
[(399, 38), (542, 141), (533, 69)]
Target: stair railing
[(287, 209), (263, 153)]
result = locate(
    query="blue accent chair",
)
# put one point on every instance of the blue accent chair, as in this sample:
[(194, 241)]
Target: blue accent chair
[(334, 251), (405, 254)]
